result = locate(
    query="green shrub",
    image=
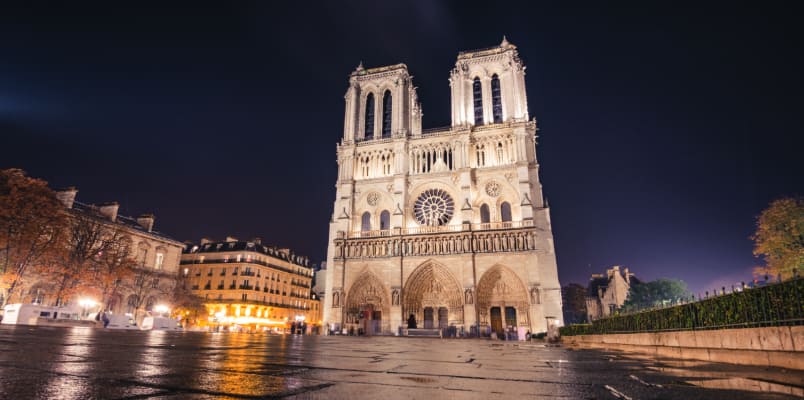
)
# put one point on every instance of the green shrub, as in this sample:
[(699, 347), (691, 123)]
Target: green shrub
[(772, 305)]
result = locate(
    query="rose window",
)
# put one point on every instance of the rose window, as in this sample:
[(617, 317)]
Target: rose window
[(373, 198), (493, 189), (434, 207)]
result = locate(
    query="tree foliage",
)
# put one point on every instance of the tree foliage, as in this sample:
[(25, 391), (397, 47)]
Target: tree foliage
[(779, 238), (33, 226), (574, 296), (655, 293)]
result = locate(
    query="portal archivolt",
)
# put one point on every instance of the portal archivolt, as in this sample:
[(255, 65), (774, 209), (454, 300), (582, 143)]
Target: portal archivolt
[(432, 287), (501, 288)]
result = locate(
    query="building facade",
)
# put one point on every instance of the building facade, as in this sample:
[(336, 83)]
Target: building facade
[(245, 284), (608, 292), (448, 225), (155, 257)]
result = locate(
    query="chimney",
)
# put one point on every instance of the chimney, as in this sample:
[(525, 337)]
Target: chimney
[(627, 275), (230, 239), (146, 221), (109, 210), (67, 196), (205, 240)]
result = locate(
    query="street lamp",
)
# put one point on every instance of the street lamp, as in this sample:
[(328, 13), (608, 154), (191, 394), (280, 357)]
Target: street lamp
[(85, 305), (161, 309)]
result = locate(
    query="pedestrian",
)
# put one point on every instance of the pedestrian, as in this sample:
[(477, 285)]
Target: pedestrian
[(105, 319)]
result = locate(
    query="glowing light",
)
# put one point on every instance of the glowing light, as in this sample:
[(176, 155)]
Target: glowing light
[(87, 303), (161, 308)]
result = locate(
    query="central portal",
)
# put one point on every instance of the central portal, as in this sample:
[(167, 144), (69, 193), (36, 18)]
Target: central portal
[(436, 317), (433, 296)]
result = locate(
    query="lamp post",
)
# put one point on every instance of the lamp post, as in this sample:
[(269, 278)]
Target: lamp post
[(86, 304)]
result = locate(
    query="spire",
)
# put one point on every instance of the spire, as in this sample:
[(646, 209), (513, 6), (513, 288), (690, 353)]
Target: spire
[(504, 42), (360, 66)]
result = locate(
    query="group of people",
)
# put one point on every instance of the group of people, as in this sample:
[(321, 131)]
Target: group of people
[(298, 328)]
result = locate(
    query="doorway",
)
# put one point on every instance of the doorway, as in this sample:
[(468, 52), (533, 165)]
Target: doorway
[(496, 321), (428, 318)]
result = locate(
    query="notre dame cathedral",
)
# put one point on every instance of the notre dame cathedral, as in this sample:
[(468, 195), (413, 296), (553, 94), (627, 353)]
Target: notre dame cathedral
[(448, 225)]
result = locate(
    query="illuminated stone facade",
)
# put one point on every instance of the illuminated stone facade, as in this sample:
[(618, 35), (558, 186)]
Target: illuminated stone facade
[(446, 224), (156, 256), (249, 285)]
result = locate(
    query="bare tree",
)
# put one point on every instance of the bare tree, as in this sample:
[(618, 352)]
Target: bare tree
[(32, 228), (96, 258)]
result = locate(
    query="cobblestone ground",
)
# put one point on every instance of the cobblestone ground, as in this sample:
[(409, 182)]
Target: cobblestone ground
[(81, 363)]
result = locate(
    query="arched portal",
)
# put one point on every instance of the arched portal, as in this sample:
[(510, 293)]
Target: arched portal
[(433, 296), (368, 306), (502, 300)]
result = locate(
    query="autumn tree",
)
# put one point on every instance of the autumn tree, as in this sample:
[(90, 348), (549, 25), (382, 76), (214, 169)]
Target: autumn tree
[(148, 282), (185, 303), (97, 256), (114, 265), (654, 293), (779, 238), (32, 228)]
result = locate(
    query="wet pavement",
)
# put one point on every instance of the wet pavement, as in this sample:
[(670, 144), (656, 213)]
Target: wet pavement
[(82, 363)]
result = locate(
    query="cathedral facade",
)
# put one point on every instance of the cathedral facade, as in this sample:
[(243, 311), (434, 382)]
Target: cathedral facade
[(448, 225)]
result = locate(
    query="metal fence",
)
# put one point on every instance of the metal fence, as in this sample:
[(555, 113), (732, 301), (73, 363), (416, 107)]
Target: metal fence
[(770, 304)]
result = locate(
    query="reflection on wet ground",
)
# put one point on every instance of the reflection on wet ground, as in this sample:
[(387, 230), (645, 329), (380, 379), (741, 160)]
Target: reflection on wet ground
[(82, 363)]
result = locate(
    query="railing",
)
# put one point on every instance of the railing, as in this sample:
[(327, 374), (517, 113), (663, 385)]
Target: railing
[(248, 273), (246, 287), (255, 262), (776, 304), (438, 131), (437, 229)]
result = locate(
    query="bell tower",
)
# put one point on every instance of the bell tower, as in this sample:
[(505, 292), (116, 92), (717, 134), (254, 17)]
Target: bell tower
[(381, 103), (488, 86)]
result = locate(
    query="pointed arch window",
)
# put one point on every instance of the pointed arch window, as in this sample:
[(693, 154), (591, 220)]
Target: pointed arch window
[(477, 96), (485, 216), (386, 114), (496, 99), (369, 133), (505, 212), (385, 220), (365, 222)]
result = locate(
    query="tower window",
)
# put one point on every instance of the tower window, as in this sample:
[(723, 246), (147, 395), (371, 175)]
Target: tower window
[(386, 114), (496, 99), (505, 211), (365, 222), (369, 134), (485, 216), (477, 96), (385, 220)]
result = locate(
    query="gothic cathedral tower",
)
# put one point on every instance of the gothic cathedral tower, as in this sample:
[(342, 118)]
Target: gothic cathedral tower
[(447, 225)]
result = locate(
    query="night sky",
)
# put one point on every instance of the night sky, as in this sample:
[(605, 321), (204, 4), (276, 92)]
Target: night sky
[(663, 131)]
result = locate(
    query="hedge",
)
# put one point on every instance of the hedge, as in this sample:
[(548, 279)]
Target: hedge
[(771, 305)]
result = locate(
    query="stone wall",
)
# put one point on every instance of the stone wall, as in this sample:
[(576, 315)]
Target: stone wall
[(778, 346)]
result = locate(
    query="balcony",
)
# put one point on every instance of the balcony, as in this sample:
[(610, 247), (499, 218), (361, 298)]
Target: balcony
[(209, 273), (254, 262), (223, 273), (495, 237), (207, 287), (246, 287), (220, 287), (232, 287), (195, 287), (248, 273), (436, 229)]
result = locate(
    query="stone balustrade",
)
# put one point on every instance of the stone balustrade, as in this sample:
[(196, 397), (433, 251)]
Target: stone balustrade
[(421, 242)]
